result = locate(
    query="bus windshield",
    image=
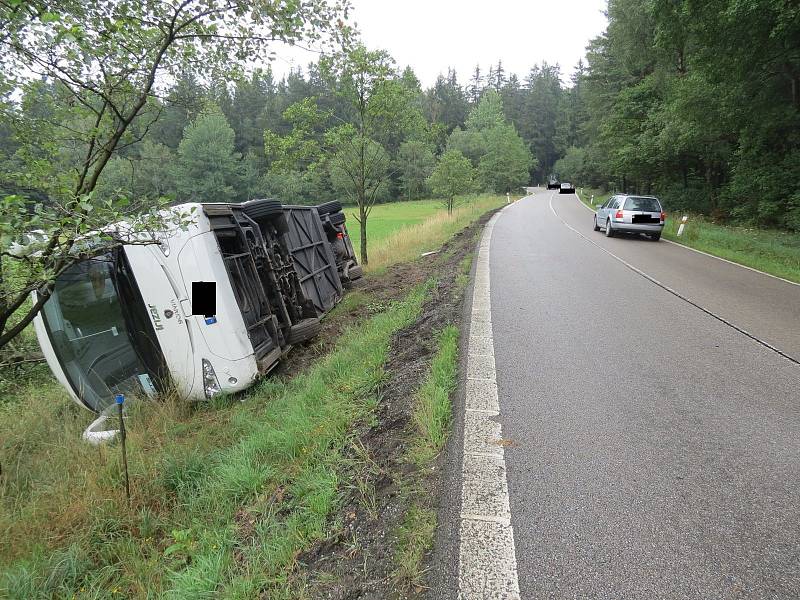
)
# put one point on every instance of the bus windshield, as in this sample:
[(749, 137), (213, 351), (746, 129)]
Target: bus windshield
[(96, 337)]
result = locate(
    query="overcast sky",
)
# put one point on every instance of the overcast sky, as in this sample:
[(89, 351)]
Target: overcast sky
[(431, 35)]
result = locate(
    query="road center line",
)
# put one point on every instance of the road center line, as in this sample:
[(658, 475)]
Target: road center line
[(487, 566), (674, 292)]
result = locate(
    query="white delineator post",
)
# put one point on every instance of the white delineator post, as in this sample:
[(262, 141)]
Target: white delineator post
[(682, 225), (508, 198)]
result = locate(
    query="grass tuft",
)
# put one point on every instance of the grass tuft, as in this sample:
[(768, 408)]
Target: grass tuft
[(464, 269), (433, 410), (414, 540)]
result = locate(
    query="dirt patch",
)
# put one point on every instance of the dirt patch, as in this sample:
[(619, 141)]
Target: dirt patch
[(358, 560)]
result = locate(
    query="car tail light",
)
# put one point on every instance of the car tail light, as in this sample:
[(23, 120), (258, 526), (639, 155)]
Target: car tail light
[(618, 215), (663, 216)]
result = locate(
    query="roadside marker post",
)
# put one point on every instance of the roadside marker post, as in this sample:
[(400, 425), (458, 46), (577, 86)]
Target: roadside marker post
[(508, 198), (682, 225), (120, 399)]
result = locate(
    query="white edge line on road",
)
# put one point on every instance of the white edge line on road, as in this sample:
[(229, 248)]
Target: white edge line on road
[(487, 562), (674, 292), (485, 455), (501, 520), (730, 262)]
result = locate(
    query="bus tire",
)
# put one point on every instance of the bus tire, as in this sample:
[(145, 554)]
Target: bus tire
[(304, 330)]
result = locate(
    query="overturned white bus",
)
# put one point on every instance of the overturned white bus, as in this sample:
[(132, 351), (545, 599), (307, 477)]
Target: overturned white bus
[(209, 309)]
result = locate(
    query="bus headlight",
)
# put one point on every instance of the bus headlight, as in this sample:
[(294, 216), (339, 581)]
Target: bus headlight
[(210, 381)]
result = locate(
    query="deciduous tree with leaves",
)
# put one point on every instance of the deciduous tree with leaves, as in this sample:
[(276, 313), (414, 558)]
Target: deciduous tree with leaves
[(500, 155), (453, 175), (382, 106)]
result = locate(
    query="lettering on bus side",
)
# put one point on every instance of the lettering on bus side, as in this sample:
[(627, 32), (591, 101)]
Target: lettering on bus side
[(176, 311), (156, 318)]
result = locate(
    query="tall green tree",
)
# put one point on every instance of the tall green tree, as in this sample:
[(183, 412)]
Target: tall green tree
[(382, 107), (446, 102), (488, 113), (493, 145), (475, 86), (249, 109), (144, 174), (543, 103), (182, 104), (359, 166), (570, 166), (207, 169)]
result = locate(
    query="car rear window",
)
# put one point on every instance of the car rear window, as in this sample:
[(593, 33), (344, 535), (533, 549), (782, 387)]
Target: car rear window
[(645, 204)]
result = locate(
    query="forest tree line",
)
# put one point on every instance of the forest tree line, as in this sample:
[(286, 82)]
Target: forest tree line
[(697, 102), (263, 136)]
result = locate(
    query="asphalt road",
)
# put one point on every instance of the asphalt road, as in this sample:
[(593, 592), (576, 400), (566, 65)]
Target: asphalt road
[(654, 451)]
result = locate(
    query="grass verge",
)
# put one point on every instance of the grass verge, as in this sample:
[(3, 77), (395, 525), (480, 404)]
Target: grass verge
[(225, 496), (432, 418), (774, 252)]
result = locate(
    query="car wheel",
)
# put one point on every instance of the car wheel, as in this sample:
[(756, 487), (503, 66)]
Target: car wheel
[(609, 230), (596, 226), (655, 237)]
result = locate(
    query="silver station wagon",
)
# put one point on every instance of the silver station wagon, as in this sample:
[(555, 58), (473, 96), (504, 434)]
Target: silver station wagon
[(625, 213)]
